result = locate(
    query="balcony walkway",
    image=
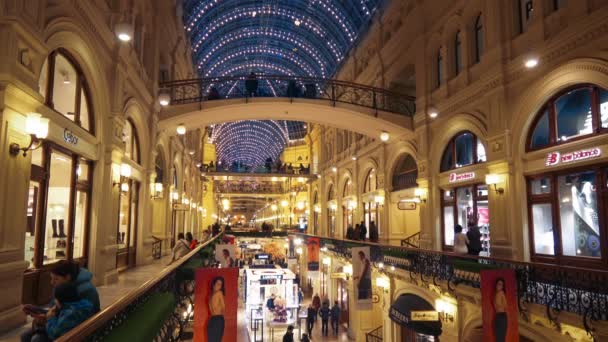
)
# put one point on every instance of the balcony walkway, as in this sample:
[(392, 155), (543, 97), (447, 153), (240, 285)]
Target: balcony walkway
[(127, 281)]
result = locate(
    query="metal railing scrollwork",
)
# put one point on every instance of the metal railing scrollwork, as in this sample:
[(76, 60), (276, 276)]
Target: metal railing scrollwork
[(333, 91), (581, 291)]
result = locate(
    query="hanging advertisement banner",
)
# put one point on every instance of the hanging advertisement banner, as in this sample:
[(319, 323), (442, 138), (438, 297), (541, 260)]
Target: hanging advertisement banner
[(225, 255), (499, 305), (362, 276), (312, 244), (216, 304)]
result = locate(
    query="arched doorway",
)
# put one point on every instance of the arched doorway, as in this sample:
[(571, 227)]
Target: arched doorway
[(412, 328)]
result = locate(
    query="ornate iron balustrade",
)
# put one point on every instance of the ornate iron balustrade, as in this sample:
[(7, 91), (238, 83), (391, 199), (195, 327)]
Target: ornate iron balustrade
[(334, 91), (170, 280), (375, 335), (411, 241), (558, 288)]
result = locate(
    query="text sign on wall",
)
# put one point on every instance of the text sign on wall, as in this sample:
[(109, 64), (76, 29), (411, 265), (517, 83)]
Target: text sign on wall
[(424, 315), (459, 177), (555, 158), (69, 137)]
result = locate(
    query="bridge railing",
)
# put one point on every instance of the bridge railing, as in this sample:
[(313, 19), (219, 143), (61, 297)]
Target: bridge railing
[(171, 280), (581, 291), (333, 91)]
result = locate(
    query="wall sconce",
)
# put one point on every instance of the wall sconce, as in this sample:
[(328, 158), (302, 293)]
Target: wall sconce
[(164, 98), (493, 179), (174, 196), (157, 190), (383, 283), (284, 203), (420, 195), (333, 206), (297, 241), (348, 270), (317, 208), (299, 250), (326, 261), (125, 173), (446, 310), (379, 199), (273, 207), (300, 205), (38, 129)]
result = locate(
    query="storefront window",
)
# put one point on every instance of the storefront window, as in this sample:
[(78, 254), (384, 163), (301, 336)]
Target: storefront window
[(65, 89), (58, 208), (464, 149), (576, 204), (80, 223), (604, 108), (33, 202), (466, 206), (575, 113)]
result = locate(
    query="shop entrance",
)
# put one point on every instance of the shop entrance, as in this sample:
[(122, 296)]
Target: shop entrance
[(127, 227), (343, 300)]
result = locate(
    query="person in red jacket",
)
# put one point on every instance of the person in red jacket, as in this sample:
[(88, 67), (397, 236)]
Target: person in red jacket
[(192, 240)]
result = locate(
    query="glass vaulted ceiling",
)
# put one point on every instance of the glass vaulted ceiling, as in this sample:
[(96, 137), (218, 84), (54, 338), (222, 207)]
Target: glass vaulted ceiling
[(270, 37)]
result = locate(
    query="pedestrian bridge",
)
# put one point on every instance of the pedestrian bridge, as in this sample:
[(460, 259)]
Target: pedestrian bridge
[(359, 108)]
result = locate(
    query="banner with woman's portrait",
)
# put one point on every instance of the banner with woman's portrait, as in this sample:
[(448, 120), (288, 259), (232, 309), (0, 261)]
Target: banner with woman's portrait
[(312, 255), (216, 304), (499, 306), (362, 274), (225, 255)]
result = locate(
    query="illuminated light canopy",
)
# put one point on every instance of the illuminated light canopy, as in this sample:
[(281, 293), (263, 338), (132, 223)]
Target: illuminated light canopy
[(284, 38)]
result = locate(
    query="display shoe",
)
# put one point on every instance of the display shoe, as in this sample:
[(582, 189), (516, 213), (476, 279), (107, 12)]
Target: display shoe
[(61, 228), (54, 224), (58, 243), (122, 237)]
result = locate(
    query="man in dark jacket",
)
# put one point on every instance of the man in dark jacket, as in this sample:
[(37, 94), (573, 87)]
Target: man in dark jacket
[(362, 231), (349, 232), (335, 317), (474, 237), (288, 337), (325, 312), (311, 317)]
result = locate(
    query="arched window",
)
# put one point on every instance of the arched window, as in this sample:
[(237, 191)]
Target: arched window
[(371, 182), (439, 68), (462, 150), (65, 89), (405, 174), (348, 188), (159, 165), (457, 53), (131, 141), (572, 114), (478, 38), (330, 194)]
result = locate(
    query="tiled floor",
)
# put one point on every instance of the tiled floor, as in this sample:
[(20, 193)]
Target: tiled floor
[(127, 281)]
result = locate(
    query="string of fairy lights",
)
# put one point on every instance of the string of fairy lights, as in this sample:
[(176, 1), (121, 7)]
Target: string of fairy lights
[(269, 37)]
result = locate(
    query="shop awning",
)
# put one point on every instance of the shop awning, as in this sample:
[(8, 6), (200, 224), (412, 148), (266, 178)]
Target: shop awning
[(401, 313)]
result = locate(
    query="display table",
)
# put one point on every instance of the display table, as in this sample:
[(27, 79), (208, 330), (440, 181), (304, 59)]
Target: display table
[(272, 325)]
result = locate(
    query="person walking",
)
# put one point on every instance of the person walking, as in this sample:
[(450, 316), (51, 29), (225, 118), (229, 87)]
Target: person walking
[(356, 232), (325, 312), (373, 232), (311, 317), (474, 236), (460, 241), (335, 317), (305, 338), (362, 231), (316, 301), (288, 337)]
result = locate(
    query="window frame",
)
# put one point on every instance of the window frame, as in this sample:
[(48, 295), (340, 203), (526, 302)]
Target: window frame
[(552, 116), (395, 186), (41, 174), (452, 143), (454, 205), (479, 36), (457, 53), (82, 87), (439, 69), (552, 198), (523, 23), (134, 140), (367, 188)]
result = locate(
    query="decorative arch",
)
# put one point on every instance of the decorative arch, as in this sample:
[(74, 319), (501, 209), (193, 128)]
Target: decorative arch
[(366, 167), (135, 113), (577, 71), (461, 122), (64, 33), (404, 173)]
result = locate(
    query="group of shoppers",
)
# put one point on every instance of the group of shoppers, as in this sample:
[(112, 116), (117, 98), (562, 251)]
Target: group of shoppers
[(74, 299), (183, 246), (469, 243), (317, 309), (360, 232)]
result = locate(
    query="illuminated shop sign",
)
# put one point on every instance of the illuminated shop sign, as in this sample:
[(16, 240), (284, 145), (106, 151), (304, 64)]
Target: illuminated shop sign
[(459, 177), (424, 315), (555, 158), (69, 137)]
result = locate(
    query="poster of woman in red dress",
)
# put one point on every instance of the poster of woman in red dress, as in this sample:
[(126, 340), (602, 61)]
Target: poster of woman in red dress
[(499, 306)]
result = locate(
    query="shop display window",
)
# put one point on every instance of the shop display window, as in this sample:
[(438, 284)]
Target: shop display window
[(567, 221), (58, 207), (462, 150), (64, 88), (577, 112), (466, 206)]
